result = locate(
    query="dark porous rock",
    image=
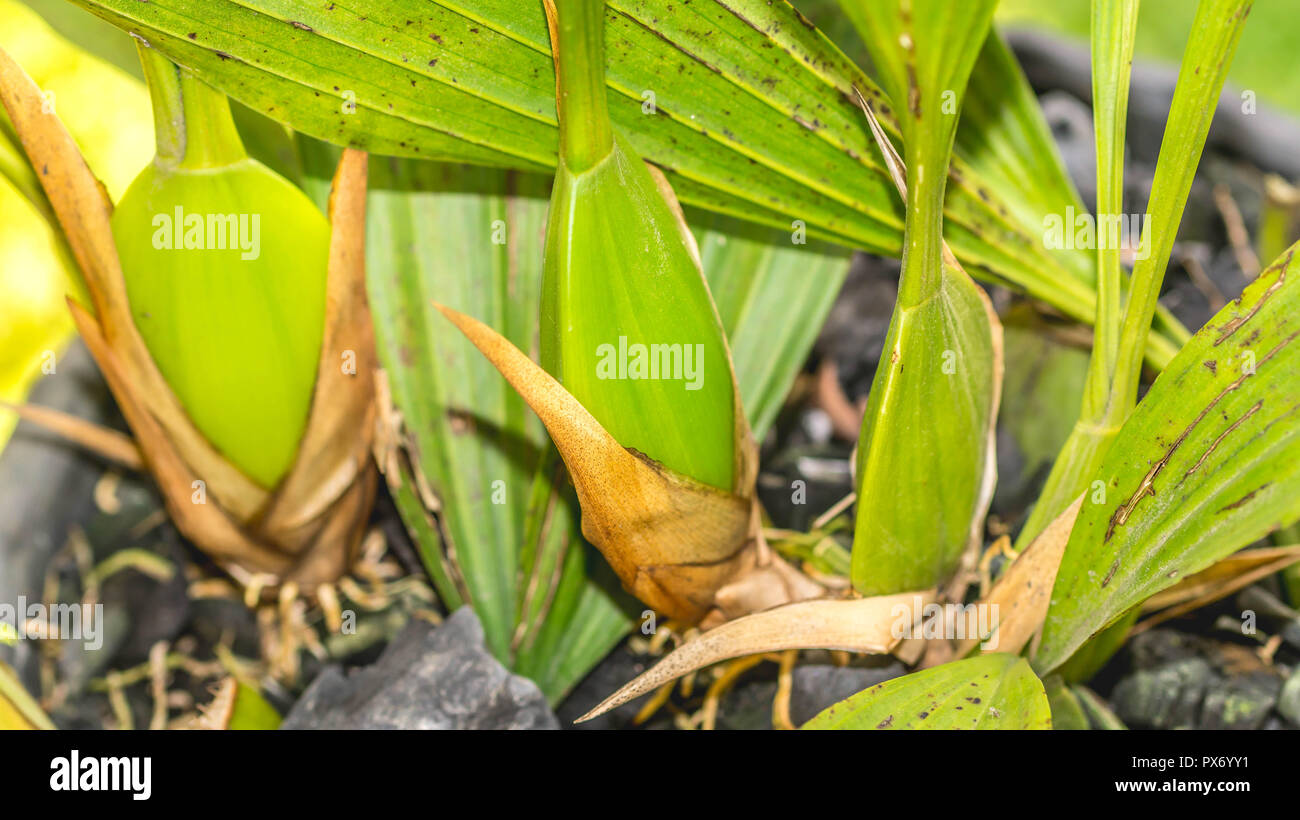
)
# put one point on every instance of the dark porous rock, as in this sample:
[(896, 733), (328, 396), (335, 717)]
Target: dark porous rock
[(1263, 136), (1288, 700), (803, 482), (748, 707), (814, 687), (619, 667), (1169, 680), (1270, 609), (427, 678), (1181, 681), (819, 686), (1166, 697), (1240, 703), (1291, 634)]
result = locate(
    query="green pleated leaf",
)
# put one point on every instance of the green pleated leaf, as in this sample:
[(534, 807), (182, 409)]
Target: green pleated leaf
[(747, 108), (773, 294), (924, 457), (505, 538), (1208, 463), (994, 691), (1005, 136)]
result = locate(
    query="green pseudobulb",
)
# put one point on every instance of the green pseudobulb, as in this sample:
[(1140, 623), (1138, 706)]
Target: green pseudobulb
[(628, 325), (235, 330), (225, 267)]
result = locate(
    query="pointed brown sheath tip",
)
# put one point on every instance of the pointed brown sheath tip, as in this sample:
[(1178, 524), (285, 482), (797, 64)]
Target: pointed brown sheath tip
[(673, 542), (576, 432), (870, 625)]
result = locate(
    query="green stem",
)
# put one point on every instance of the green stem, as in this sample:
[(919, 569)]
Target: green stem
[(1276, 218), (586, 136), (923, 258), (193, 128), (1113, 371), (1114, 31), (1210, 48)]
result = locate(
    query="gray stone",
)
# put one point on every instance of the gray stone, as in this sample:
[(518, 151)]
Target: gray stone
[(1240, 703), (1266, 605), (427, 678), (619, 667), (748, 707), (1265, 137), (1291, 634), (1165, 697), (818, 686), (1288, 701)]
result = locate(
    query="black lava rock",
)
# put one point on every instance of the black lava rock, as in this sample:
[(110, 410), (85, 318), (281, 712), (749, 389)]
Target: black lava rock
[(427, 678)]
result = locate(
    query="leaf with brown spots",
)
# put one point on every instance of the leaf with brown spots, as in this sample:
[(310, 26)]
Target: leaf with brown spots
[(1216, 583), (996, 691), (1208, 463), (753, 112)]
